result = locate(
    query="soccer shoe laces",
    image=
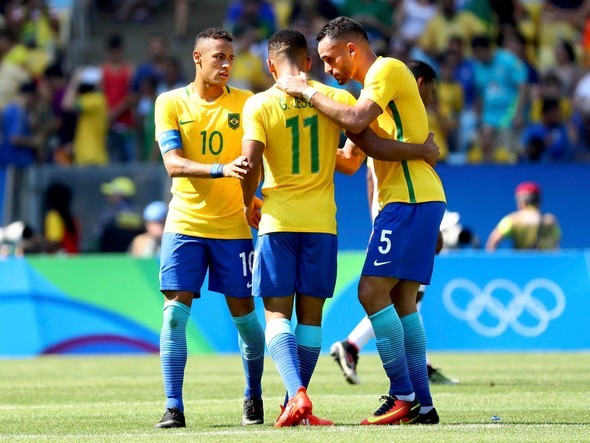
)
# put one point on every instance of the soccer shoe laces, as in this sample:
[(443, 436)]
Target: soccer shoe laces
[(388, 402)]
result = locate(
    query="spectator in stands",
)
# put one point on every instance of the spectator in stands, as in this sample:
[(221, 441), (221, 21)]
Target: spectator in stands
[(148, 244), (61, 228), (158, 52), (118, 223), (12, 74), (500, 79), (450, 99), (172, 76), (548, 140), (248, 70), (63, 123), (550, 88), (146, 127), (117, 76), (315, 13), (567, 67), (258, 14), (376, 16), (20, 143), (85, 98), (464, 73), (412, 17), (528, 227), (449, 23)]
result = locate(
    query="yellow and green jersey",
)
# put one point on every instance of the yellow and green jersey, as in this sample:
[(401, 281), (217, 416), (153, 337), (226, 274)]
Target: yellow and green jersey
[(207, 132), (392, 86), (299, 159)]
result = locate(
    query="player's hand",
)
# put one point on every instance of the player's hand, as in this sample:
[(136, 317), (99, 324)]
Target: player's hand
[(237, 168), (292, 84), (432, 151), (253, 214)]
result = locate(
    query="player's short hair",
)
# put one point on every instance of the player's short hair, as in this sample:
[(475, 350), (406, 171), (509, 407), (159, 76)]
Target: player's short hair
[(342, 27), (288, 42), (214, 33), (421, 69)]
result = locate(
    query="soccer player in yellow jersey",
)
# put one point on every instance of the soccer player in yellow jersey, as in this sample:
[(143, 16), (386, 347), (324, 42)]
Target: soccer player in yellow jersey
[(199, 131), (400, 254)]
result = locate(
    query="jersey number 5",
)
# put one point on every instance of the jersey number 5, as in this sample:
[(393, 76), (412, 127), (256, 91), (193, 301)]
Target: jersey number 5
[(312, 123)]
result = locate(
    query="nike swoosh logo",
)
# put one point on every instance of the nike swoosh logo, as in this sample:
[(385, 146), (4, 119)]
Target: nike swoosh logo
[(249, 285), (381, 263), (186, 121), (376, 418)]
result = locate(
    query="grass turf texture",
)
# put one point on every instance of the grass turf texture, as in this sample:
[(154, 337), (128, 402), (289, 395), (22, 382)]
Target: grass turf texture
[(538, 397)]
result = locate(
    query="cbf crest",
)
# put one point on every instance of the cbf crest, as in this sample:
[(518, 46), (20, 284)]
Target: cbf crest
[(233, 120)]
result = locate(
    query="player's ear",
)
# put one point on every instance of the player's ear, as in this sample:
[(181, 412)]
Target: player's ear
[(271, 68), (351, 47), (196, 57), (308, 64)]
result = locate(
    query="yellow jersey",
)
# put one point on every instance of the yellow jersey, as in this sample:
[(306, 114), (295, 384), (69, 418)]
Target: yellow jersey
[(207, 132), (90, 137), (392, 86), (299, 159)]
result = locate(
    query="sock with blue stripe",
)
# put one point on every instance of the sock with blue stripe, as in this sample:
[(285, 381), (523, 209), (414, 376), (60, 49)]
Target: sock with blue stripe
[(173, 351), (415, 346), (282, 346), (251, 342), (390, 345), (309, 344)]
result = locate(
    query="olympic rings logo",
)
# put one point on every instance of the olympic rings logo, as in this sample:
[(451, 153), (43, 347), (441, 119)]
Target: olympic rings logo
[(482, 303)]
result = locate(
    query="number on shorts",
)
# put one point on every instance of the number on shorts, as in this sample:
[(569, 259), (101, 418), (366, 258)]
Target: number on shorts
[(385, 239), (247, 263)]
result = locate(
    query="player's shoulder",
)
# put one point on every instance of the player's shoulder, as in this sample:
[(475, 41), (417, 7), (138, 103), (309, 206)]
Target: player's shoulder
[(337, 94), (172, 95), (239, 93)]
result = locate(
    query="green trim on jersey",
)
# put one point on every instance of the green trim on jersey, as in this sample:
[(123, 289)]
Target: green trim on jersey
[(399, 136)]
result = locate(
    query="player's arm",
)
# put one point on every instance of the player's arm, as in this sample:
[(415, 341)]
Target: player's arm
[(177, 165), (349, 158), (252, 151), (392, 150), (353, 118), (501, 231)]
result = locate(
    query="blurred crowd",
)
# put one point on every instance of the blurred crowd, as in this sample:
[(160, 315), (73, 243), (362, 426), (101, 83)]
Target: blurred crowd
[(513, 76)]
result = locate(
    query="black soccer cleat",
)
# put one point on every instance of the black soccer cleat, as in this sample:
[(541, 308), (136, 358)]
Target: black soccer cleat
[(430, 418), (172, 418), (253, 412), (346, 356)]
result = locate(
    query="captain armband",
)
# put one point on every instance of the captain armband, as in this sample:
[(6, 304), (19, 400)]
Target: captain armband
[(169, 140)]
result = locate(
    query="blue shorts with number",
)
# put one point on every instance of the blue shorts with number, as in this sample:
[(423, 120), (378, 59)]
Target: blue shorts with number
[(185, 259), (403, 242), (287, 263)]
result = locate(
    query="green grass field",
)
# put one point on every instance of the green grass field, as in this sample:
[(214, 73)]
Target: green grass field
[(539, 398)]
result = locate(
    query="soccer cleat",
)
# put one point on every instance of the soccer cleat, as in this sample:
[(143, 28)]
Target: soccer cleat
[(311, 420), (253, 412), (297, 409), (346, 355), (430, 418), (436, 377), (172, 418), (394, 412)]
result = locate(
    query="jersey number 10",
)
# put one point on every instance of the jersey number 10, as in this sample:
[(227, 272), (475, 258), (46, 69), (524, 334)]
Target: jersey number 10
[(312, 123)]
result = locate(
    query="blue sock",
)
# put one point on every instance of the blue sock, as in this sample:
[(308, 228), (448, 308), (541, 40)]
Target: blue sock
[(415, 345), (309, 344), (251, 340), (173, 351), (282, 346), (390, 345)]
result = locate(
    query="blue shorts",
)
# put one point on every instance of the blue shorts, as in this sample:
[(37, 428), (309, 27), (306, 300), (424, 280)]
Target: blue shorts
[(184, 262), (403, 241), (287, 263)]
